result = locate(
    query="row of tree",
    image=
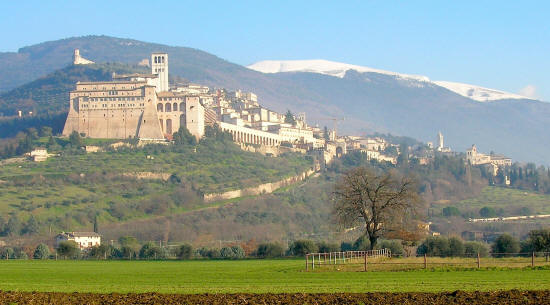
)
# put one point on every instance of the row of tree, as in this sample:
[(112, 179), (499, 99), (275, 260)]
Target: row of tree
[(130, 248), (526, 176), (14, 227)]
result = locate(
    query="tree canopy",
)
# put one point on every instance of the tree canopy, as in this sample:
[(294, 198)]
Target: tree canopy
[(382, 201)]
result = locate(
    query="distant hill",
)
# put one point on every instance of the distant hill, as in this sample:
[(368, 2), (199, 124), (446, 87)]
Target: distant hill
[(50, 93), (369, 101)]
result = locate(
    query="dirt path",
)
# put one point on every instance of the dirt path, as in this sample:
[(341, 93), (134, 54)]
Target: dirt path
[(458, 297)]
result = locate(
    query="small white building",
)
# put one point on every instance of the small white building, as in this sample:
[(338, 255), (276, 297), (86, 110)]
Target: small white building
[(39, 154), (84, 240)]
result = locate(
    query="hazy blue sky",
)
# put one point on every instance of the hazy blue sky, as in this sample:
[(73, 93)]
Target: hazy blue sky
[(494, 44)]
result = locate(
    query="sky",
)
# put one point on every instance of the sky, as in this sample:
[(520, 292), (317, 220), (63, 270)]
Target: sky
[(496, 44)]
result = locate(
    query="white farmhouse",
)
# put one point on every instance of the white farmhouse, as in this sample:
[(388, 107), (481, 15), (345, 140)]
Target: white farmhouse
[(84, 240)]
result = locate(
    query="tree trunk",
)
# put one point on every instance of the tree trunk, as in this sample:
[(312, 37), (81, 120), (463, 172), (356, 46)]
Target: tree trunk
[(373, 240)]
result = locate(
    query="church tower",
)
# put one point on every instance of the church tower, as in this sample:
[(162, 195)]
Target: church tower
[(440, 143), (159, 66)]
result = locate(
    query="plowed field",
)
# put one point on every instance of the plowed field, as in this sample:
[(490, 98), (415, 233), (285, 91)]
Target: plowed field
[(458, 297)]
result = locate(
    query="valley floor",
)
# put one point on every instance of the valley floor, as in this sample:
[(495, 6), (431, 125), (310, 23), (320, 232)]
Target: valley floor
[(248, 276)]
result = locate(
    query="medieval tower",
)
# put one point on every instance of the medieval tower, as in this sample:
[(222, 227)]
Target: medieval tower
[(159, 66), (440, 143)]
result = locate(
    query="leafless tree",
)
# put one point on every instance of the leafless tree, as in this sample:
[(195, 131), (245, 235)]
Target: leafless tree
[(383, 201)]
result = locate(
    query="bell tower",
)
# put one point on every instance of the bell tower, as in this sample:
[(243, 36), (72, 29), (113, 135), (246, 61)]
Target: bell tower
[(159, 66)]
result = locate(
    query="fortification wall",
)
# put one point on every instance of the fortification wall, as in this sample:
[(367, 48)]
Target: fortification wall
[(104, 123), (265, 188)]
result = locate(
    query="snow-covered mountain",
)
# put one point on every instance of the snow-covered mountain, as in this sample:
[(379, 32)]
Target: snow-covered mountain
[(338, 69)]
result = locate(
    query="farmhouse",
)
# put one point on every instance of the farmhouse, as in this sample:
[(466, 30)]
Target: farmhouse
[(84, 240), (39, 154)]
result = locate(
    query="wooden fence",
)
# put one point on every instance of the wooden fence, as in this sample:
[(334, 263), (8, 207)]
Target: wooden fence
[(383, 260), (343, 258)]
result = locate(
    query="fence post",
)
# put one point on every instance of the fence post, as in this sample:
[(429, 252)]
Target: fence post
[(546, 254), (478, 261), (313, 262), (365, 261), (533, 259), (306, 261), (425, 261)]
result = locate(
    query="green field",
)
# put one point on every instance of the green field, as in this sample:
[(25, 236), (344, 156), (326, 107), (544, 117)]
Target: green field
[(511, 201), (253, 276)]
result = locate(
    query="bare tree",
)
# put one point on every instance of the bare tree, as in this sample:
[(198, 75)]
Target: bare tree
[(383, 201)]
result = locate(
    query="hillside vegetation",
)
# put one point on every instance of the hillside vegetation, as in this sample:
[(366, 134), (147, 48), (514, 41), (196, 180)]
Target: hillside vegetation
[(75, 190)]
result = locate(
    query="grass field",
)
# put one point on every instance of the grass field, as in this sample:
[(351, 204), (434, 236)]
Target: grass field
[(511, 201), (252, 276)]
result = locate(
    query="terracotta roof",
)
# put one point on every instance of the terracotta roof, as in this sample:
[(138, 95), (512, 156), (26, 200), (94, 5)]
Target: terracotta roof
[(135, 75), (80, 234), (111, 82)]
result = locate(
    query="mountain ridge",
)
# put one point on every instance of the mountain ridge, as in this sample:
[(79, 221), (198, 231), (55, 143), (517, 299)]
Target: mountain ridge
[(338, 69)]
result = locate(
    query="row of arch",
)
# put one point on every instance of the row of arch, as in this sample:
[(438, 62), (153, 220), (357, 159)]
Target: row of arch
[(168, 107), (243, 137), (168, 128)]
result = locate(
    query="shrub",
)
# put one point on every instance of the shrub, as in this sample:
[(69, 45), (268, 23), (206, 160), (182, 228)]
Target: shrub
[(213, 253), (41, 252), (456, 247), (238, 252), (345, 246), (68, 249), (303, 247), (450, 211), (325, 247), (269, 250), (505, 244), (434, 246), (487, 212), (362, 243), (539, 240), (472, 248), (129, 251), (151, 251), (101, 251), (185, 251), (393, 245), (7, 252), (226, 253)]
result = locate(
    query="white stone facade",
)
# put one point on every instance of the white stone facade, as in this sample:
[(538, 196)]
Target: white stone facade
[(84, 240)]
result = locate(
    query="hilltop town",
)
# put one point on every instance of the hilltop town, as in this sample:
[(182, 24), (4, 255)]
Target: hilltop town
[(147, 107)]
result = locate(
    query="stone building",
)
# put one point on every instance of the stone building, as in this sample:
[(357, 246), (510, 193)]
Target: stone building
[(493, 161), (84, 240), (79, 60), (144, 106), (133, 106)]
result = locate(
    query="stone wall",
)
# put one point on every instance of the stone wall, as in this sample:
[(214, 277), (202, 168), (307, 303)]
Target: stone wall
[(265, 188), (147, 175)]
